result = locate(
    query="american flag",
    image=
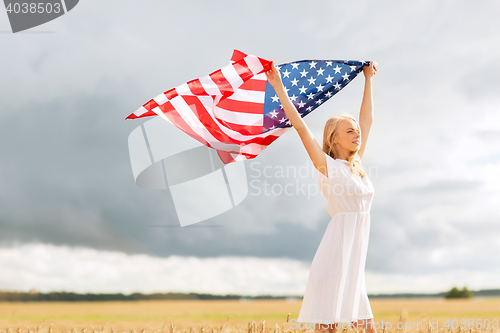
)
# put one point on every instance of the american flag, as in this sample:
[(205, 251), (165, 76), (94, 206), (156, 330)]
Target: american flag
[(236, 111)]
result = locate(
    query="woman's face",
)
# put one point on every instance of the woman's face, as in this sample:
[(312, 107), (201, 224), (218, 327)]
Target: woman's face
[(348, 136)]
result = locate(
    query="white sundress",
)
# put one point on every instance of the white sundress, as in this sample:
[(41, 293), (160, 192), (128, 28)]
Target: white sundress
[(335, 291)]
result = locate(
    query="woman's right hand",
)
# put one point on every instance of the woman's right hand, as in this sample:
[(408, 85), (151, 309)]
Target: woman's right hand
[(370, 70), (273, 76)]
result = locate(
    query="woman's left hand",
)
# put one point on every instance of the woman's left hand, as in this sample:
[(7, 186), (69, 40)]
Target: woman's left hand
[(370, 70), (273, 76)]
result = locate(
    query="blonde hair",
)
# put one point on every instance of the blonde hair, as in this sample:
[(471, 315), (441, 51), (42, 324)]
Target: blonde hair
[(329, 133)]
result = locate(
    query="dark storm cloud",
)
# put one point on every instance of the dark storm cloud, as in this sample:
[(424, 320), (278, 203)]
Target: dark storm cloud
[(67, 175), (405, 243), (70, 183)]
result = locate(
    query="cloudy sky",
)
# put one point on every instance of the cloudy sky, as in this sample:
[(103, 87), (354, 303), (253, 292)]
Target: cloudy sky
[(72, 217)]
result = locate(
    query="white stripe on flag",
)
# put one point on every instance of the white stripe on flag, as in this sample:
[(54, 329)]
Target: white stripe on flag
[(240, 157), (240, 118), (232, 76), (161, 99), (254, 64), (140, 111), (183, 89), (261, 76), (207, 102), (210, 86), (160, 113), (253, 96)]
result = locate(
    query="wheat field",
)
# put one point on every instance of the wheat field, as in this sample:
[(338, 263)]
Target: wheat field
[(227, 316)]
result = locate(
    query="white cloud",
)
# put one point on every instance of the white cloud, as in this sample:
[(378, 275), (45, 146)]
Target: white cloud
[(380, 283), (47, 267), (59, 268)]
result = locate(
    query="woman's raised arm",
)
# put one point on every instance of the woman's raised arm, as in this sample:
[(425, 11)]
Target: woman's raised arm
[(312, 146), (366, 111)]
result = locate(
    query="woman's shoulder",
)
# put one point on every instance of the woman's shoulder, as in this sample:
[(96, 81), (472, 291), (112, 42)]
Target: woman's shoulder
[(331, 161), (356, 156), (333, 166), (328, 156)]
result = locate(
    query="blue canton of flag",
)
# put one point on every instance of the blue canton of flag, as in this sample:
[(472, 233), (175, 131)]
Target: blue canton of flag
[(309, 83)]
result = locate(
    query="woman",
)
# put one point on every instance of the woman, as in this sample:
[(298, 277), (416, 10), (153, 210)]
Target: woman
[(335, 291)]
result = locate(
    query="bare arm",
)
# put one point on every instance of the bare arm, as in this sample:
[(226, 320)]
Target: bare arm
[(312, 146), (366, 111)]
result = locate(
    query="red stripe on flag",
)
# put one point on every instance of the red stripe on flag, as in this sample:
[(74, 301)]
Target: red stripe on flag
[(221, 82), (150, 105), (170, 94), (238, 106), (208, 122), (265, 63), (259, 85), (166, 107), (237, 55), (243, 70), (145, 114), (196, 87), (243, 129), (148, 114), (226, 157)]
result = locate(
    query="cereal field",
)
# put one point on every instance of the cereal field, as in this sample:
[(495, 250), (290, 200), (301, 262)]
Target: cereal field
[(256, 316)]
